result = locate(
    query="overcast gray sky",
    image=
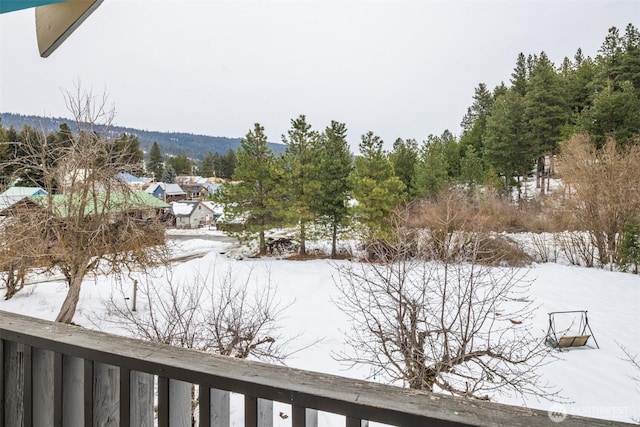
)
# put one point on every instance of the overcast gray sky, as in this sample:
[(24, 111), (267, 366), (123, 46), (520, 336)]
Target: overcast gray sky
[(398, 68)]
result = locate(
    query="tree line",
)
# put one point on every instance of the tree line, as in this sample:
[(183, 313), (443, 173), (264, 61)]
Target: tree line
[(508, 134), (166, 168)]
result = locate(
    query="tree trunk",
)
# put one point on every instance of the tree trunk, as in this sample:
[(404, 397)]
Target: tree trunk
[(334, 238), (303, 248), (68, 309), (262, 246)]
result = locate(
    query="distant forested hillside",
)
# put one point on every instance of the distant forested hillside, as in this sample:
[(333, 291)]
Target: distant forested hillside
[(171, 143)]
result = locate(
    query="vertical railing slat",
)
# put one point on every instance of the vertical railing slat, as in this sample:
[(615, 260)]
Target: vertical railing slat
[(311, 417), (179, 403), (27, 386), (357, 422), (2, 377), (250, 411), (298, 416), (265, 413), (43, 368), (204, 405), (163, 402), (142, 399), (13, 388), (88, 367), (106, 395), (74, 385), (220, 408), (125, 397), (57, 390)]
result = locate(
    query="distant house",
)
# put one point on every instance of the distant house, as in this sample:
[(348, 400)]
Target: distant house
[(134, 181), (167, 192), (193, 213), (200, 191), (13, 195), (140, 202)]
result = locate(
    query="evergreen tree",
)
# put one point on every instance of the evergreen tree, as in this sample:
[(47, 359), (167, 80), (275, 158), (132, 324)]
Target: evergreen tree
[(206, 168), (629, 68), (472, 169), (629, 248), (335, 164), (127, 152), (228, 164), (301, 175), (474, 122), (507, 147), (452, 154), (404, 157), (544, 111), (519, 76), (432, 168), (180, 164), (375, 187), (169, 174), (155, 164), (614, 113), (254, 198)]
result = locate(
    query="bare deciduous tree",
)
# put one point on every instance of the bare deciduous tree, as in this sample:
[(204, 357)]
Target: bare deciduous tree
[(449, 324), (603, 188), (90, 220)]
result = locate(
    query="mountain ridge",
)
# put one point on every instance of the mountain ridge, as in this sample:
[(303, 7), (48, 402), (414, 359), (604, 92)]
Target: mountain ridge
[(171, 143)]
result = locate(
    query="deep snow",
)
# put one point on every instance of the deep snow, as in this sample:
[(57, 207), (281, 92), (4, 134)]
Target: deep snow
[(596, 382)]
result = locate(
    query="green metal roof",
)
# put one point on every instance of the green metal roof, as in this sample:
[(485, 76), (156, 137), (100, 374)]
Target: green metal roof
[(116, 202)]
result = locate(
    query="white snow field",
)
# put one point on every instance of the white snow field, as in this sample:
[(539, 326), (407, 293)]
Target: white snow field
[(596, 383)]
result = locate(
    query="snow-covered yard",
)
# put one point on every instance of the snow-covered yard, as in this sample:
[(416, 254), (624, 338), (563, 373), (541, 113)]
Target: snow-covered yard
[(596, 382)]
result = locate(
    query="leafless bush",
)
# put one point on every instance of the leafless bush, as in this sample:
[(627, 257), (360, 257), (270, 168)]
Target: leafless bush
[(457, 327), (545, 247), (214, 313), (578, 248)]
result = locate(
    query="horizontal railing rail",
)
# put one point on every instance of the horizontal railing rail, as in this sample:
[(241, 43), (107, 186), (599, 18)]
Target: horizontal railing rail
[(61, 375)]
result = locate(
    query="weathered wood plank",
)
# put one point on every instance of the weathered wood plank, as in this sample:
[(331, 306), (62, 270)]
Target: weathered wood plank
[(43, 387), (57, 390), (73, 391), (250, 411), (14, 383), (265, 413), (27, 386), (2, 376), (163, 402), (125, 397), (142, 397), (311, 418), (220, 403), (298, 416), (179, 403), (106, 395), (352, 398)]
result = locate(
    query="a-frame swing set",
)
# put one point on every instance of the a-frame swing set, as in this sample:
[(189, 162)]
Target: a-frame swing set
[(569, 340)]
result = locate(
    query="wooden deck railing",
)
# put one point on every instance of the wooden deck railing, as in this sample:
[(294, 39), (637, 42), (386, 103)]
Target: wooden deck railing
[(59, 375)]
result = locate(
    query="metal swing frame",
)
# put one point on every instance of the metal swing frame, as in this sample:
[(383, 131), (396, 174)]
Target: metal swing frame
[(567, 341)]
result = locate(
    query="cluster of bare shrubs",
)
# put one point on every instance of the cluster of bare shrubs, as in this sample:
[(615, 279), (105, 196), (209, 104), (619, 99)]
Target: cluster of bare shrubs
[(215, 312)]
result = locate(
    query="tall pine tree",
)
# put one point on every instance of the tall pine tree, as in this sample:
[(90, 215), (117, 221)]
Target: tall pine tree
[(301, 175), (253, 199), (375, 187), (335, 164), (155, 164)]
